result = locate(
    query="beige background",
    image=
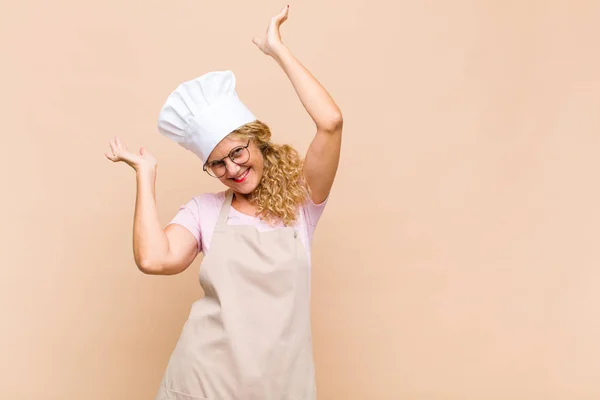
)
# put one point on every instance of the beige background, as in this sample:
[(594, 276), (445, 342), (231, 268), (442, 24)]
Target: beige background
[(458, 257)]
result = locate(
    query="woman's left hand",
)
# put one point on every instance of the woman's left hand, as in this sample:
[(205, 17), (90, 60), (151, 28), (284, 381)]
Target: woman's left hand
[(272, 43)]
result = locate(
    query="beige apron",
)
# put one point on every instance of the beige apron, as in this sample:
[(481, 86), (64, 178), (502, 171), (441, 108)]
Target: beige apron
[(249, 337)]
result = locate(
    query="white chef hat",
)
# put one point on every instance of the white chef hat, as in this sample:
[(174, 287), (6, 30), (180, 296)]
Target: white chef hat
[(199, 113)]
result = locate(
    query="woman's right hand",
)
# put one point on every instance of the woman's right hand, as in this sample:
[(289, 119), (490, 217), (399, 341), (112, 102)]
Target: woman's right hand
[(119, 152)]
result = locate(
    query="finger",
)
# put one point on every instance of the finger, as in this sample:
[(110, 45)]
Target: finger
[(120, 144), (257, 41), (281, 17), (284, 13), (113, 147)]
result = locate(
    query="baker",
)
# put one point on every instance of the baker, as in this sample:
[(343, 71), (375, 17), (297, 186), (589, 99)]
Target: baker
[(249, 336)]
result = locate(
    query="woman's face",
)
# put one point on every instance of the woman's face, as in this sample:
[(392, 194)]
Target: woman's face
[(237, 163)]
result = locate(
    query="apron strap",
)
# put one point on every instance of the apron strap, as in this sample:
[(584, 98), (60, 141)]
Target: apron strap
[(222, 220)]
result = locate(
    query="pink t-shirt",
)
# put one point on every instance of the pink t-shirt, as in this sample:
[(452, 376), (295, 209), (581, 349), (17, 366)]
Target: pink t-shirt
[(200, 214)]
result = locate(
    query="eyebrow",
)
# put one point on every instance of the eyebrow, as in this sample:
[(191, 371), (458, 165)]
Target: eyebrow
[(221, 159)]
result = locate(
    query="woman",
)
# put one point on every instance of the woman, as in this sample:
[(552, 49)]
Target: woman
[(249, 336)]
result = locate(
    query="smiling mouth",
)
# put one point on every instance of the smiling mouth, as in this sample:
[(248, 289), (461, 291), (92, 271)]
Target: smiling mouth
[(242, 177)]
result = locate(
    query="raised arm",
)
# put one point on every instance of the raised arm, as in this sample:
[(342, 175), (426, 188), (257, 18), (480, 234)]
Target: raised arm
[(322, 157), (156, 251)]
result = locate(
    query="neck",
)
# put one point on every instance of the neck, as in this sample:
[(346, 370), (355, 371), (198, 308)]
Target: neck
[(242, 203), (241, 198)]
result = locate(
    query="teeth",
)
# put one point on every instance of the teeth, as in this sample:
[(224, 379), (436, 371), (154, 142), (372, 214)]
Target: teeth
[(241, 176)]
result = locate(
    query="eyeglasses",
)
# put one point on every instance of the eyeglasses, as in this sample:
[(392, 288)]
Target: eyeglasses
[(238, 155)]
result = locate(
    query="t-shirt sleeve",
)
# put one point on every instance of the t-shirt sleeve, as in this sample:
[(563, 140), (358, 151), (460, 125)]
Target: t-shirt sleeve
[(188, 216), (312, 214)]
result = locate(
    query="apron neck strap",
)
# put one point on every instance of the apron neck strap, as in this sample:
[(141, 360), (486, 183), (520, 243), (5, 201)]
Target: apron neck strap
[(222, 221)]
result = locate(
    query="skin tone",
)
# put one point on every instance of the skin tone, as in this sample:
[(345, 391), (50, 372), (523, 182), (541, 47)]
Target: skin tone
[(250, 172), (171, 250)]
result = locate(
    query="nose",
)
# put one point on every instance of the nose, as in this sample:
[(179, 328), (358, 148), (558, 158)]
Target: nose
[(232, 168)]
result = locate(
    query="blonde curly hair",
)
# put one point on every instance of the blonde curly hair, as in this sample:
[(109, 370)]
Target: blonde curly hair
[(282, 189)]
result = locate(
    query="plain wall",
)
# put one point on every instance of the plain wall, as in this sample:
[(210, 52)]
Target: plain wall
[(457, 258)]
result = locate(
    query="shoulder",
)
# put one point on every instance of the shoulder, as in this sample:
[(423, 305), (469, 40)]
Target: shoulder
[(203, 203), (312, 212), (206, 201), (212, 199)]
